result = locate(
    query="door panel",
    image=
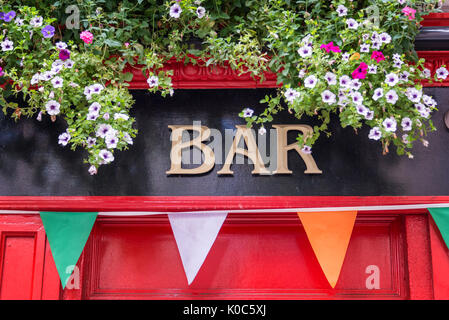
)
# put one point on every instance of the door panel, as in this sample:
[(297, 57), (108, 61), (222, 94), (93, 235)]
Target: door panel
[(255, 256)]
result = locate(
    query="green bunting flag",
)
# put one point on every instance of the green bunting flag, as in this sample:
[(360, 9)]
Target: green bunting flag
[(67, 233), (441, 218)]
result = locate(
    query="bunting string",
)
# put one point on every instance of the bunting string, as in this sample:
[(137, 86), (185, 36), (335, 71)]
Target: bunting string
[(272, 210)]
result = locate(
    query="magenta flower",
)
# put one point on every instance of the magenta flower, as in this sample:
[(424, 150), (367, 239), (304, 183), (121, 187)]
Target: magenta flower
[(378, 56), (87, 37), (1, 72), (361, 71), (330, 47), (64, 54), (409, 12)]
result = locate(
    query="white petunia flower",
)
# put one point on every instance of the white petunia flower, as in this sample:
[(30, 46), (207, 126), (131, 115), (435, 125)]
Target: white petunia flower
[(345, 81), (369, 114), (91, 142), (7, 45), (352, 24), (18, 21), (385, 38), (331, 78), (357, 98), (310, 82), (46, 76), (305, 51), (68, 63), (96, 88), (35, 79), (391, 97), (92, 170), (111, 141), (375, 134), (92, 116), (442, 73), (153, 81), (248, 113), (404, 76), (291, 95), (390, 124), (103, 130), (361, 109), (175, 11), (426, 73), (95, 107), (64, 139), (52, 107), (127, 138), (391, 79), (306, 150), (364, 48), (356, 84), (342, 10), (61, 45), (106, 156), (328, 97), (36, 22), (121, 116), (57, 82), (413, 95), (200, 12), (406, 124)]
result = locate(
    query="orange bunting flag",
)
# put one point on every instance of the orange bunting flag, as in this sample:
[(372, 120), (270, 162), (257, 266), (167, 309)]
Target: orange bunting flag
[(329, 234)]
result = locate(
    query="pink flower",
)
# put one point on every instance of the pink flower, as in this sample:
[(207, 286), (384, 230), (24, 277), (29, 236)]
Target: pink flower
[(1, 72), (330, 47), (126, 44), (378, 56), (361, 71), (409, 12), (87, 37)]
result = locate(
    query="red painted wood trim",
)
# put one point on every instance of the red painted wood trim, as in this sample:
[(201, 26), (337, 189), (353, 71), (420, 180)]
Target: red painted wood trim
[(419, 260), (43, 275), (192, 203), (436, 20), (223, 77), (440, 262)]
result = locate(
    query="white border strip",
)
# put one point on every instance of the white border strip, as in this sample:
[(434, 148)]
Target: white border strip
[(283, 210)]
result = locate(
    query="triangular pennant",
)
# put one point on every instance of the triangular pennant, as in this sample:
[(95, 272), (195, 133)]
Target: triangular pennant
[(329, 234), (67, 233), (195, 233), (441, 218)]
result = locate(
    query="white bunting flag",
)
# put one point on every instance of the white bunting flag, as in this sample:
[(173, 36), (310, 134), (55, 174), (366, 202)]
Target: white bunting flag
[(195, 233)]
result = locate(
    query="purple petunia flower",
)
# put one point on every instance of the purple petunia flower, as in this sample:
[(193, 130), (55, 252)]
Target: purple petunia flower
[(64, 54), (7, 17), (48, 31)]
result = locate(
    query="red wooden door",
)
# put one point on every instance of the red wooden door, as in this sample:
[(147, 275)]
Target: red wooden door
[(255, 256)]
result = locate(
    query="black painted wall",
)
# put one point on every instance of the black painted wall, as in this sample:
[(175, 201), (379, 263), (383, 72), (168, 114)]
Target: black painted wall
[(32, 162)]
